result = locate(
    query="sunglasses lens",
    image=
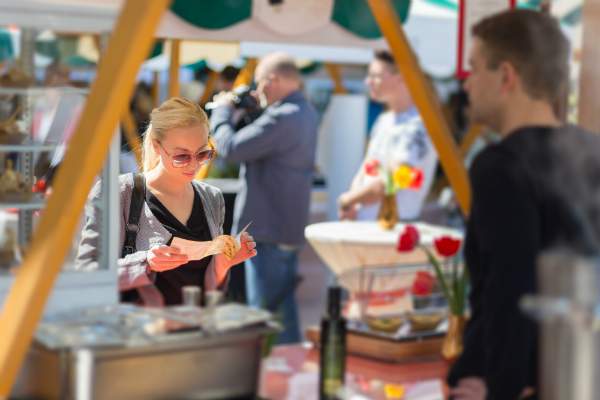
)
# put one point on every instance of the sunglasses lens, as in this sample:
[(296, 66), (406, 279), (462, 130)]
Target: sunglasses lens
[(205, 156), (181, 159)]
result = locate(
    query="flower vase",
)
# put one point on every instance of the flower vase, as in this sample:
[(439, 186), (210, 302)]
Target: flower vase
[(388, 213), (453, 342)]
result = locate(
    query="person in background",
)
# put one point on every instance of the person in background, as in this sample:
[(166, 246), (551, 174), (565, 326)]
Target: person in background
[(227, 78), (175, 146), (277, 153), (535, 189), (398, 137)]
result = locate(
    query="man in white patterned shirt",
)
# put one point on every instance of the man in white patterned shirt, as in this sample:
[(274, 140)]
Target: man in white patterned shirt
[(398, 137)]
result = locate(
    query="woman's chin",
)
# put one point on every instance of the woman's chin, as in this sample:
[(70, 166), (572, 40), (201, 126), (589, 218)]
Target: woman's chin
[(189, 176)]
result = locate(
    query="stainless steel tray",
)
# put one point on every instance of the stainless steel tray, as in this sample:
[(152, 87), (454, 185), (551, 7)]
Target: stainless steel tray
[(188, 367), (107, 353)]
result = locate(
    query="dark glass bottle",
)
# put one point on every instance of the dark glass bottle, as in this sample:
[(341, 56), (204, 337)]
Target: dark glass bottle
[(333, 347)]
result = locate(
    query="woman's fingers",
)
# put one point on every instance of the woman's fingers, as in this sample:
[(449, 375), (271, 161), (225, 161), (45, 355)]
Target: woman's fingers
[(166, 250), (169, 252), (248, 241), (163, 258)]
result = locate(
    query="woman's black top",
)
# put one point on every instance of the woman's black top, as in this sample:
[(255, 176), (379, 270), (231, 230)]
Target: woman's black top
[(170, 282)]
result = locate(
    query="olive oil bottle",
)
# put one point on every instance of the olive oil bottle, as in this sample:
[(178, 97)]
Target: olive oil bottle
[(333, 347)]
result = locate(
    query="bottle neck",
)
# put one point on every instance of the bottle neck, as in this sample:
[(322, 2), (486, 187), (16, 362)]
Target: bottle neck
[(334, 300)]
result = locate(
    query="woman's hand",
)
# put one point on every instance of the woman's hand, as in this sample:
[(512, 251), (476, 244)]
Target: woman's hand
[(472, 388), (164, 258), (223, 265), (247, 249)]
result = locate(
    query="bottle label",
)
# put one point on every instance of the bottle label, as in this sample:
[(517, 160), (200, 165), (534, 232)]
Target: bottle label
[(333, 364), (331, 386)]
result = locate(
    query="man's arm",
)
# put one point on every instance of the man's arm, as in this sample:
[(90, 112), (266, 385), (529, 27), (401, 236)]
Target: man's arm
[(507, 231), (371, 192), (252, 142)]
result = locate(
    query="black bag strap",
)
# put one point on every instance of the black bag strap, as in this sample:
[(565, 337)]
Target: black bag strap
[(138, 197)]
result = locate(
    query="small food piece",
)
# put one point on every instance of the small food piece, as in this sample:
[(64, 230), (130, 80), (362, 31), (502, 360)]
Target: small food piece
[(424, 322), (12, 185), (15, 78), (227, 245), (9, 130), (385, 324)]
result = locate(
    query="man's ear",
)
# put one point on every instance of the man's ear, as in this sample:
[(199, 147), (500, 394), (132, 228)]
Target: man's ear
[(510, 77)]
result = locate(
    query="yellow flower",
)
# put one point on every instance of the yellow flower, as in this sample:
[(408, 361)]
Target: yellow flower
[(403, 177)]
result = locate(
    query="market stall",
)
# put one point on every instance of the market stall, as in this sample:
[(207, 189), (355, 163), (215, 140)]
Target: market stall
[(332, 23)]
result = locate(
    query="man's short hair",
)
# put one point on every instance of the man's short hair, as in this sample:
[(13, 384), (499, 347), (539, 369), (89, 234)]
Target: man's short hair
[(386, 57), (534, 44), (281, 64)]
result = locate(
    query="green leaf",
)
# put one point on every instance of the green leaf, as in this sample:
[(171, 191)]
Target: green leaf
[(440, 277)]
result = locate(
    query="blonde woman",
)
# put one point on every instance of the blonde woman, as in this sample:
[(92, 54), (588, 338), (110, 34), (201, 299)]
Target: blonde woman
[(175, 147)]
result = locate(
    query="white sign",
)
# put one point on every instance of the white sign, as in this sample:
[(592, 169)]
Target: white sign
[(470, 13)]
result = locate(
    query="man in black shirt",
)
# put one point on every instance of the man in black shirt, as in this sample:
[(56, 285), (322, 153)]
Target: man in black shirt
[(530, 191)]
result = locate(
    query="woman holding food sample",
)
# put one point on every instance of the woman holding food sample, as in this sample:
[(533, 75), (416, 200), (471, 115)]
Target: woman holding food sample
[(163, 203)]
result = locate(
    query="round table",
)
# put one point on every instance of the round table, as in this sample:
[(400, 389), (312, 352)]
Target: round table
[(349, 245), (365, 261)]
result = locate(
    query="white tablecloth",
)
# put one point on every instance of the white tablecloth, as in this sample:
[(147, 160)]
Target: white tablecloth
[(349, 245)]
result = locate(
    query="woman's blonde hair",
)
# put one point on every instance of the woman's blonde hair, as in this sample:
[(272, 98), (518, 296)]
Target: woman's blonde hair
[(175, 112)]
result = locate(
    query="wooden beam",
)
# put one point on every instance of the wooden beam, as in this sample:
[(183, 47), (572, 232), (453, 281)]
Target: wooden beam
[(130, 129), (208, 90), (246, 75), (128, 46), (589, 80), (335, 72), (425, 99), (470, 137), (209, 87), (156, 88), (205, 169), (174, 68)]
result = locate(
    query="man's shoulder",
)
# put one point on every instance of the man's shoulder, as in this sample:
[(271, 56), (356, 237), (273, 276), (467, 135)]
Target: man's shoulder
[(284, 109), (491, 160)]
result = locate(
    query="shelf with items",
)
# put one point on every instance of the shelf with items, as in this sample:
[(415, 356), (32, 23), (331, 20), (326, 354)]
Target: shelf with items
[(34, 204), (35, 124), (28, 147)]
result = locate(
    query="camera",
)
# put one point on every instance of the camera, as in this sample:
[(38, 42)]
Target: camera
[(246, 106), (243, 98)]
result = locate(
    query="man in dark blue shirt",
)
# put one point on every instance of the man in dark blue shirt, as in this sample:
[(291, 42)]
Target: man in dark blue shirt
[(277, 153)]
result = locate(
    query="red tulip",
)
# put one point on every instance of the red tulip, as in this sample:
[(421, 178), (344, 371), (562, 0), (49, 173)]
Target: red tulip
[(417, 179), (372, 167), (423, 283), (425, 275), (421, 287), (447, 246), (408, 239)]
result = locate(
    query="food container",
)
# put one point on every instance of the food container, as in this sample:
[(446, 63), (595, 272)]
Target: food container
[(190, 363)]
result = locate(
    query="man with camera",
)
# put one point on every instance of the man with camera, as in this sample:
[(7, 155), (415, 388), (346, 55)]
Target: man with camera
[(277, 154)]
